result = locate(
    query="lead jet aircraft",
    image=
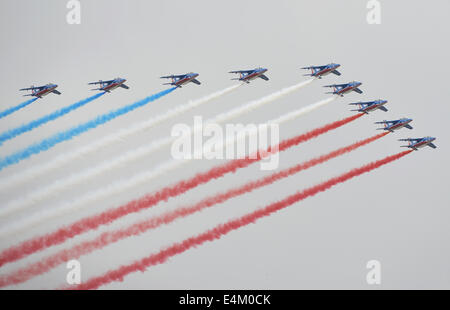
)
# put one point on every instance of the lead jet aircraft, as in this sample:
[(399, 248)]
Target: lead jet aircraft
[(395, 124), (248, 75), (416, 143), (108, 86), (41, 91), (319, 71), (179, 80), (369, 106), (341, 89)]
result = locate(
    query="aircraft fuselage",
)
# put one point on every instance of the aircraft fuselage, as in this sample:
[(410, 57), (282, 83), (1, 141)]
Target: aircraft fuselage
[(252, 75), (44, 92), (112, 86)]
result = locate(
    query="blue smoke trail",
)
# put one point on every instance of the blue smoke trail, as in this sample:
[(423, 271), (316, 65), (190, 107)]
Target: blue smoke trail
[(48, 143), (12, 133), (16, 108)]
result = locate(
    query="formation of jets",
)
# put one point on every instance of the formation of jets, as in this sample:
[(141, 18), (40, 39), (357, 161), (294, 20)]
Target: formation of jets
[(246, 76)]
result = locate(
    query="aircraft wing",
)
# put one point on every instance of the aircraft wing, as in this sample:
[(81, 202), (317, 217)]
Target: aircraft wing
[(382, 108), (359, 91), (196, 81), (336, 72), (314, 67), (264, 77), (355, 103), (241, 71), (56, 92), (408, 126), (432, 145), (100, 82), (124, 86), (336, 85), (172, 76), (410, 139), (32, 88)]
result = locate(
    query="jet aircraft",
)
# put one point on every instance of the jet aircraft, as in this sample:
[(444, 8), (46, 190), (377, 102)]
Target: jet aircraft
[(341, 89), (108, 86), (416, 143), (248, 75), (319, 71), (41, 91), (180, 80), (369, 106), (396, 124)]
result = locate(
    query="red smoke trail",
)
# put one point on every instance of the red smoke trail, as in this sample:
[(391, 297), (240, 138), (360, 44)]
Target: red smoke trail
[(223, 229), (107, 238), (89, 223)]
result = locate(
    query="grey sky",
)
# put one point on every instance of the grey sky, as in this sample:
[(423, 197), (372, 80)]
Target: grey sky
[(397, 214)]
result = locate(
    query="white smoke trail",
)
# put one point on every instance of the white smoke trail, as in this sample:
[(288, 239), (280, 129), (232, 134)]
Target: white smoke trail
[(130, 156), (115, 137), (297, 113), (127, 184)]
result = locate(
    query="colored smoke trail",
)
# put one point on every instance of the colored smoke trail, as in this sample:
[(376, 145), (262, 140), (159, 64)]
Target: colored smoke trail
[(16, 108), (59, 185), (223, 229), (226, 116), (146, 149), (106, 217), (48, 143), (115, 137), (12, 133), (106, 238), (132, 155), (307, 109)]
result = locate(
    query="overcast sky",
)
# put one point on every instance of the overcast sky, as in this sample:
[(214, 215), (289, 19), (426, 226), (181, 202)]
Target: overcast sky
[(397, 214)]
